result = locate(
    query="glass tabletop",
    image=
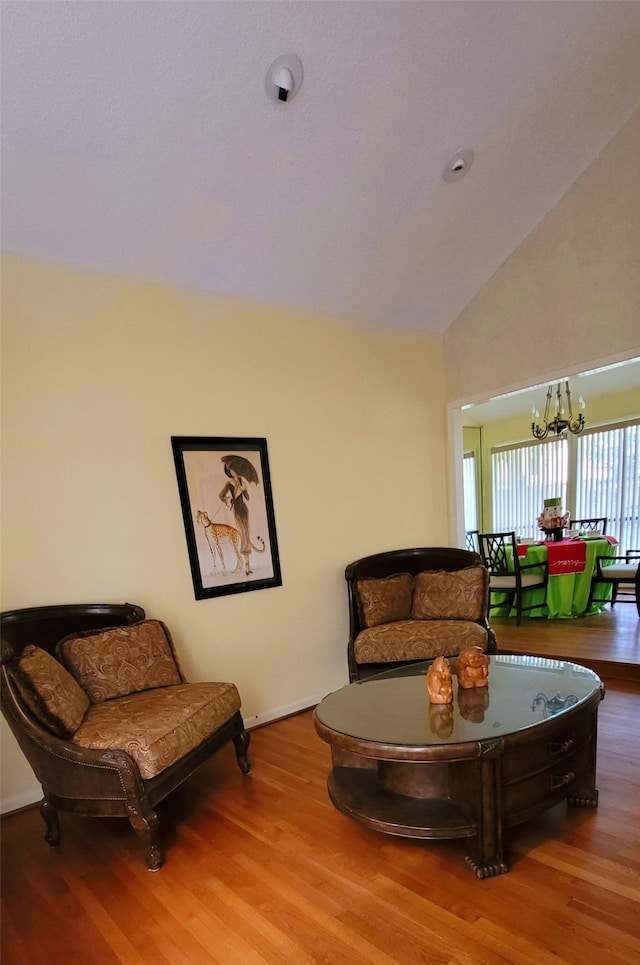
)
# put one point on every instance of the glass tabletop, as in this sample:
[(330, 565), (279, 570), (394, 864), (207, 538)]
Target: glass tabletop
[(394, 708)]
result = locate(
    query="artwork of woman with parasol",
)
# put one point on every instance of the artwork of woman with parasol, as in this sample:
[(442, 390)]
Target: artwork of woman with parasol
[(235, 494), (222, 472)]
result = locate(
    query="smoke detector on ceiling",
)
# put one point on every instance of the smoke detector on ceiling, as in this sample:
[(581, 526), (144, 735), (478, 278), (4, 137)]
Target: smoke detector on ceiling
[(458, 166), (284, 78)]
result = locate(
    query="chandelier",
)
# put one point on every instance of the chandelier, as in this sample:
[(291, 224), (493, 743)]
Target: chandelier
[(563, 418)]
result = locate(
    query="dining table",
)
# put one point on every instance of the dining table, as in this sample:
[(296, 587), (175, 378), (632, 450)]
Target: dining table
[(572, 563)]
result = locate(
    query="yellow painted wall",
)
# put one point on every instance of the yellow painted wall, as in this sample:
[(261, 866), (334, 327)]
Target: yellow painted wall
[(568, 298), (99, 372)]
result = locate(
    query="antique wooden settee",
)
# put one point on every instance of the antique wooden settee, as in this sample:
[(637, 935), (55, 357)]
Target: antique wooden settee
[(415, 604), (96, 699)]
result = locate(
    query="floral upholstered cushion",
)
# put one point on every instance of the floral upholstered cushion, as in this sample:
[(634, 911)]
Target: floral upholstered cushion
[(49, 691), (417, 640), (158, 727), (384, 600), (459, 595), (122, 660)]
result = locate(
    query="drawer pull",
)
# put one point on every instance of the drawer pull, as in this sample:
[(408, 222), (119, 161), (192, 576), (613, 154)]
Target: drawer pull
[(557, 782), (557, 748)]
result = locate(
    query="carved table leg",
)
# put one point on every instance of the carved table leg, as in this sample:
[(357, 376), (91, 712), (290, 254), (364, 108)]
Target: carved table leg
[(241, 744), (485, 849), (585, 794), (584, 801), (50, 817), (146, 827)]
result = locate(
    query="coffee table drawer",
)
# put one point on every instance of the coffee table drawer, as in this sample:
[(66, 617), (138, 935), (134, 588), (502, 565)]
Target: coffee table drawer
[(524, 798), (530, 753)]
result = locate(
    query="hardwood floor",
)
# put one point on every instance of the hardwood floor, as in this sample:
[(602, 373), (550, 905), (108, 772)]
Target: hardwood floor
[(262, 869), (608, 642)]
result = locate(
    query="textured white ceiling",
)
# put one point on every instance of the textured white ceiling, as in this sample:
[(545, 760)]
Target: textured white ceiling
[(138, 138)]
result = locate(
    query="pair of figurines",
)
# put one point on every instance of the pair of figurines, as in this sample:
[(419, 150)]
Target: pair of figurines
[(472, 671), (473, 690)]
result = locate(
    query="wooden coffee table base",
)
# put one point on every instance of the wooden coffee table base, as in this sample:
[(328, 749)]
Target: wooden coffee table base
[(473, 790)]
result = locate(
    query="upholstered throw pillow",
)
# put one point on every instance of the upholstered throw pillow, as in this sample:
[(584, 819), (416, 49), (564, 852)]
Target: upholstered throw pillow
[(459, 595), (121, 660), (384, 600), (49, 691)]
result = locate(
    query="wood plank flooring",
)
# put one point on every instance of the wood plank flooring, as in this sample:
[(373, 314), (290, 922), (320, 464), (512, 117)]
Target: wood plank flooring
[(608, 642), (262, 869)]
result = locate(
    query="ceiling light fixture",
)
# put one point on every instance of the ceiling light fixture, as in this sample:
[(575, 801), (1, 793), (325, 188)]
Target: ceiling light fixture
[(458, 166), (560, 422)]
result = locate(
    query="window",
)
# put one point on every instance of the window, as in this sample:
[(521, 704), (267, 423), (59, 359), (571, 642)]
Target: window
[(470, 491), (608, 480), (523, 477), (594, 474)]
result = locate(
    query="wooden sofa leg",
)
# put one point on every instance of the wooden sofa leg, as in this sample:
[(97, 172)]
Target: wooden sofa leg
[(146, 827), (241, 744), (50, 817)]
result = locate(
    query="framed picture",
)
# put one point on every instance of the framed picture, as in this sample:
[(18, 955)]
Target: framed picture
[(227, 508)]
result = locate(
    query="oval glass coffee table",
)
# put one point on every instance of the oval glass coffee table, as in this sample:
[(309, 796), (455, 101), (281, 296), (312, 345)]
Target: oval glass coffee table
[(493, 758)]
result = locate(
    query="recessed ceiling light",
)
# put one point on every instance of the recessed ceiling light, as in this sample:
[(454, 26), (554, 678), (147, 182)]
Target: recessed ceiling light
[(458, 166)]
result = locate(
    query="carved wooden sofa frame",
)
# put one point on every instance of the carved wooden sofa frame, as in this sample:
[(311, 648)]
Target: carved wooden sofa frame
[(86, 781), (435, 562)]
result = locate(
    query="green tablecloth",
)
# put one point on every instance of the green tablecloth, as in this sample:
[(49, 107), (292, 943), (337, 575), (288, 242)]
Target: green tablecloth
[(566, 596)]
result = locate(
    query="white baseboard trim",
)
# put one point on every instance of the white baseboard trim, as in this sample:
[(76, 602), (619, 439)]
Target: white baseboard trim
[(267, 718), (28, 798)]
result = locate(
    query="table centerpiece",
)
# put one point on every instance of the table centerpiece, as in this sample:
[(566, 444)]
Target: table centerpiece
[(552, 520)]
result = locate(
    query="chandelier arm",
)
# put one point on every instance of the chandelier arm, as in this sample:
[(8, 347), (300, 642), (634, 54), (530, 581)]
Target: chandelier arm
[(538, 432), (577, 425), (566, 388)]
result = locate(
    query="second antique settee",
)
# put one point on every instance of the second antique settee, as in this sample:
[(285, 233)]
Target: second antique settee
[(98, 703), (414, 604)]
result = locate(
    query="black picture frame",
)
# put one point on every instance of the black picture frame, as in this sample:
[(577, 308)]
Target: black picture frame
[(224, 485)]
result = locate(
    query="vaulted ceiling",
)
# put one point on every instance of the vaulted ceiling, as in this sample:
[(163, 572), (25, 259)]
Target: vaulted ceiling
[(138, 137)]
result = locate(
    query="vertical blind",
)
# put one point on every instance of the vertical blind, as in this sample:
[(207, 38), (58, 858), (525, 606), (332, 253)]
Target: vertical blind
[(469, 489), (605, 481), (523, 477), (608, 481)]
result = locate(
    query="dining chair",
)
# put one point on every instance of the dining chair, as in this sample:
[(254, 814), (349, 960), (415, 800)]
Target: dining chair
[(618, 571), (590, 525), (507, 574), (471, 540)]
